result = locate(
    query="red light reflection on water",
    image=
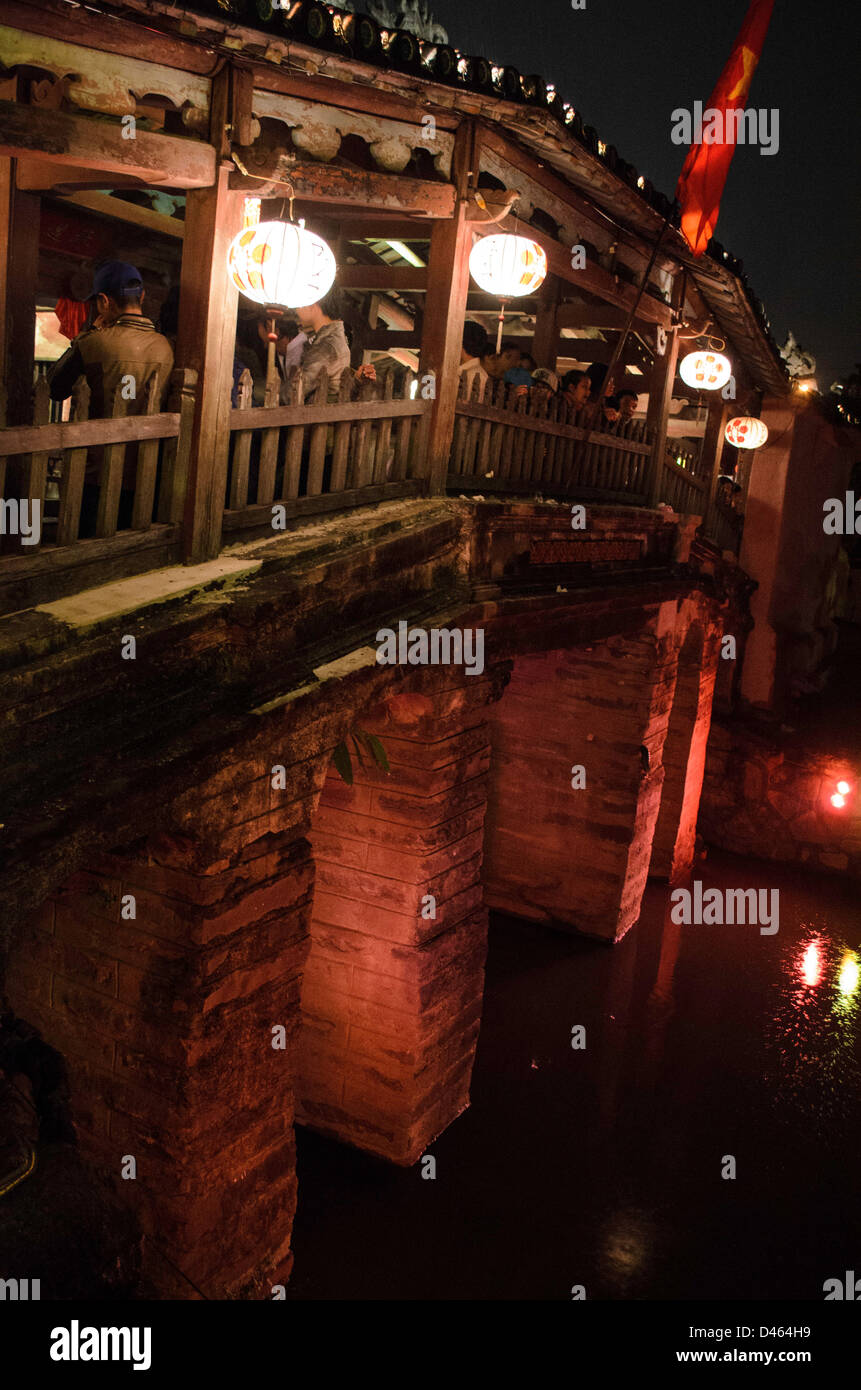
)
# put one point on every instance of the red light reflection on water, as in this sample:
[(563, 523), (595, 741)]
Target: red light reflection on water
[(810, 966)]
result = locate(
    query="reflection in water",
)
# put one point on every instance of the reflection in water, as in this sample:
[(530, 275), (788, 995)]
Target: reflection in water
[(847, 981), (811, 963), (814, 1037), (629, 1237)]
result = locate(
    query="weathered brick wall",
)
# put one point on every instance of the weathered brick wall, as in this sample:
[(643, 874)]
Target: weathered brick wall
[(165, 1023), (165, 1018), (761, 800), (581, 857), (392, 995), (578, 857)]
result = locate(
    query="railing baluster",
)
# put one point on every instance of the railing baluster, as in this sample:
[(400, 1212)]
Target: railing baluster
[(483, 430), (269, 445), (530, 436), (241, 447), (400, 469), (74, 471), (2, 427), (295, 442), (476, 394), (317, 442), (36, 464), (147, 465), (461, 424), (363, 440), (384, 433), (341, 447), (111, 479), (497, 400), (177, 453)]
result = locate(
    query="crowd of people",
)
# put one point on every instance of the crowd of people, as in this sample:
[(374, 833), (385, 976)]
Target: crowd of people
[(120, 346), (580, 390), (314, 341), (120, 350)]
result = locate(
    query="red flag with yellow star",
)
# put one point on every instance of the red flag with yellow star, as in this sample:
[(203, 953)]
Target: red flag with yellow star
[(703, 176)]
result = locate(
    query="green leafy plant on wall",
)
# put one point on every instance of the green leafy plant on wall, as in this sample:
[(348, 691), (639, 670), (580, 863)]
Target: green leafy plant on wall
[(372, 748)]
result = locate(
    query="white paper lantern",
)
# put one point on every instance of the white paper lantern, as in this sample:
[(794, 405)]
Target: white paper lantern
[(746, 432), (507, 265), (280, 263), (705, 371)]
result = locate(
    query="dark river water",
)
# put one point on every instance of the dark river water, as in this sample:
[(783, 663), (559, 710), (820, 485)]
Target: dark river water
[(602, 1167)]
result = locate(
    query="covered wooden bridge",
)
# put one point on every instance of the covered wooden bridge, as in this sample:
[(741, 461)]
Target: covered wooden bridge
[(139, 133)]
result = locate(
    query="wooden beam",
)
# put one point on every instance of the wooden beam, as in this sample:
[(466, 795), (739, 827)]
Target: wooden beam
[(526, 164), (82, 434), (206, 340), (494, 204), (98, 144), (545, 339), (445, 306), (113, 34), (148, 218), (357, 225), (593, 316), (384, 339), (592, 278), (713, 442), (41, 176), (402, 279), (352, 96), (661, 385), (334, 183), (283, 415), (484, 303), (592, 350)]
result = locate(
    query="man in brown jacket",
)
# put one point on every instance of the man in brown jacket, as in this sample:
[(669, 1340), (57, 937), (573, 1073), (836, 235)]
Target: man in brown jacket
[(118, 355)]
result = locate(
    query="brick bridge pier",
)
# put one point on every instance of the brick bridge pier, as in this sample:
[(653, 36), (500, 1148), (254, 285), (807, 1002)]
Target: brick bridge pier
[(227, 939)]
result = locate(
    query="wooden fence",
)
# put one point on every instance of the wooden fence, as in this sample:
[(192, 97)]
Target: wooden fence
[(367, 444), (723, 527), (309, 456), (680, 484), (534, 442), (135, 462)]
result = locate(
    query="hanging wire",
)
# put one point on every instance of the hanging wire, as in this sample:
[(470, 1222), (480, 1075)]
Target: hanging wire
[(266, 178)]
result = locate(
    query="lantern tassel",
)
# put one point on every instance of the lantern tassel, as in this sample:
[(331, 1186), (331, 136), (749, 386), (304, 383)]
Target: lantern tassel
[(502, 304)]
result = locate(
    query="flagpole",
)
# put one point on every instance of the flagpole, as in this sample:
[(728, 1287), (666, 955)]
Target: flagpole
[(617, 351)]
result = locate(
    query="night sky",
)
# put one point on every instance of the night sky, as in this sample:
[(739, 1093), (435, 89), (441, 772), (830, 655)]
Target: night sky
[(792, 217)]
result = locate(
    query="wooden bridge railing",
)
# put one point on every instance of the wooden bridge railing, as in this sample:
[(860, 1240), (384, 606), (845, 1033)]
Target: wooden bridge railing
[(686, 483), (318, 454), (309, 456), (723, 526), (536, 443), (679, 484), (46, 466)]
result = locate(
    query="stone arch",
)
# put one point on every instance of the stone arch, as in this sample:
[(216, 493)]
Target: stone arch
[(684, 755), (167, 1019)]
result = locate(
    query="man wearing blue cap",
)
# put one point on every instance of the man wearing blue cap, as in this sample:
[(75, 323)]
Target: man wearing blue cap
[(119, 354)]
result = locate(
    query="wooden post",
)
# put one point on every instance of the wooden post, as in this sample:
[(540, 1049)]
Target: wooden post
[(660, 394), (713, 442), (205, 343), (445, 309), (19, 270), (545, 340)]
